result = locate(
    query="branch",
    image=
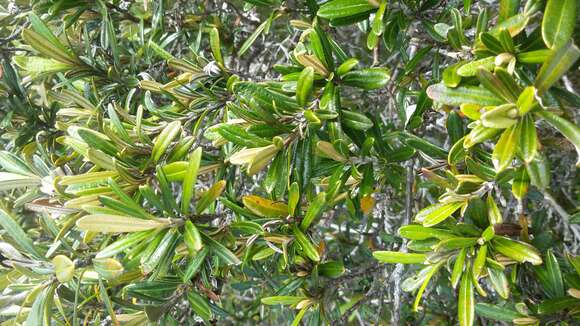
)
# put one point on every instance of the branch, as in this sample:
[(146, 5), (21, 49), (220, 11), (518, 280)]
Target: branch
[(396, 276)]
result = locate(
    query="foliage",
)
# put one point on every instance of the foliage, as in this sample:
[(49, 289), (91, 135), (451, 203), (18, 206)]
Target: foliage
[(295, 162)]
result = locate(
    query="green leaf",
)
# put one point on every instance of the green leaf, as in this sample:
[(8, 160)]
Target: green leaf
[(64, 268), (192, 238), (465, 301), (565, 127), (240, 136), (124, 243), (424, 146), (195, 264), (304, 86), (307, 247), (456, 243), (108, 268), (450, 76), (226, 255), (95, 139), (18, 235), (494, 213), (160, 252), (419, 232), (517, 250), (558, 23), (89, 177), (539, 172), (293, 198), (209, 196), (462, 95), (556, 305), (215, 45), (264, 207), (159, 50), (500, 117), (164, 139), (282, 300), (458, 267), (514, 25), (368, 79), (37, 66), (344, 8), (528, 142), (479, 134), (431, 271), (9, 181), (247, 227), (347, 66), (557, 64), (14, 164), (526, 100), (499, 282), (200, 306), (332, 269), (49, 47), (250, 40), (506, 148), (299, 316), (106, 223), (190, 179), (314, 210), (550, 276), (470, 69), (437, 213), (508, 8), (479, 261), (38, 314), (395, 257), (501, 84), (495, 312), (355, 120)]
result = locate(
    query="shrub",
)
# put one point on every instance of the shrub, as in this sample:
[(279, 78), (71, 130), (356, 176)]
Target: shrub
[(303, 162)]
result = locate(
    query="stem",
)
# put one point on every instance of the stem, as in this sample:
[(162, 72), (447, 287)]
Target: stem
[(396, 276)]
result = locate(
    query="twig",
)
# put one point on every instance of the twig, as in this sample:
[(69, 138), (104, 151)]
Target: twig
[(396, 276)]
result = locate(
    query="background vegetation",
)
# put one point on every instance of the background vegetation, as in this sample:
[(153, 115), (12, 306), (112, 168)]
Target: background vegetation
[(289, 162)]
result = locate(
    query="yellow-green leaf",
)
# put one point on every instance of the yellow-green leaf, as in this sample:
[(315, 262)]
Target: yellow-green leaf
[(395, 257), (209, 196), (517, 250), (262, 158), (164, 139), (506, 147), (528, 143), (314, 210), (64, 268), (437, 213), (106, 223), (108, 268), (325, 148), (304, 86), (190, 179), (465, 301), (264, 207), (215, 45), (192, 237)]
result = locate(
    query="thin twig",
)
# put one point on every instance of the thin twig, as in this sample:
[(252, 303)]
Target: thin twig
[(396, 276)]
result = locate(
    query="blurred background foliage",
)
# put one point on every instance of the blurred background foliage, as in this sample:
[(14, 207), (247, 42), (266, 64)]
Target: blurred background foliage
[(289, 162)]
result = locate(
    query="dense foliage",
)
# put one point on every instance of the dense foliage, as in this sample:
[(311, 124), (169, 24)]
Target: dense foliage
[(272, 162)]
